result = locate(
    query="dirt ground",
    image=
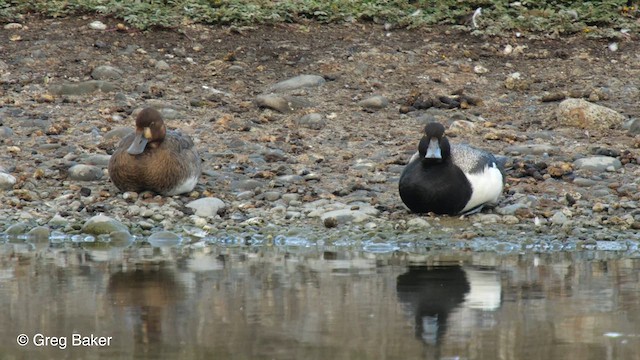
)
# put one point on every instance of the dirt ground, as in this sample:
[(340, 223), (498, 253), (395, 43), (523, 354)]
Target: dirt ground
[(214, 75)]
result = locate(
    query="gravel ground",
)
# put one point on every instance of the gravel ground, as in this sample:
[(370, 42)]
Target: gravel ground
[(304, 129)]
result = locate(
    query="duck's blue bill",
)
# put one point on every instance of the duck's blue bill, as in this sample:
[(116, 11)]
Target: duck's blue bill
[(433, 151), (138, 144)]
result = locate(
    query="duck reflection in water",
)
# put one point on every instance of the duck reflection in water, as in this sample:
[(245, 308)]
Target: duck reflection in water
[(434, 293), (146, 295)]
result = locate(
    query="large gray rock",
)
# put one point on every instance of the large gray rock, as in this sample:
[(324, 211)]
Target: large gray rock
[(101, 224), (582, 114), (205, 207), (300, 81), (597, 163)]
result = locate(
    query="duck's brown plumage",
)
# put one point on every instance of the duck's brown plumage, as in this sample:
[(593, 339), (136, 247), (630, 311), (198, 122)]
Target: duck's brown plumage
[(169, 163)]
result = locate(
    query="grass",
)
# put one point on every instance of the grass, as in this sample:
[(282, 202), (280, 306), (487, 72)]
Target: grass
[(549, 16)]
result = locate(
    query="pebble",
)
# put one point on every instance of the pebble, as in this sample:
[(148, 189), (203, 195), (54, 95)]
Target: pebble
[(418, 223), (312, 121), (83, 172), (300, 81), (532, 149), (582, 114), (246, 185), (559, 218), (5, 132), (102, 224), (162, 65), (13, 26), (7, 181), (119, 132), (97, 159), (106, 72), (343, 216), (272, 195), (374, 103), (82, 88), (17, 229), (282, 103), (164, 239), (58, 221), (98, 25), (40, 233), (598, 163), (207, 207)]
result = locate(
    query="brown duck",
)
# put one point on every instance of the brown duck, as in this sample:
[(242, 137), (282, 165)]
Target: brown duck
[(155, 159)]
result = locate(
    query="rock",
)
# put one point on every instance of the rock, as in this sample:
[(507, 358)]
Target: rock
[(633, 127), (7, 181), (58, 221), (245, 185), (13, 26), (17, 229), (479, 69), (5, 132), (101, 224), (82, 88), (597, 163), (106, 72), (312, 121), (343, 216), (533, 149), (40, 233), (164, 239), (374, 102), (85, 173), (281, 103), (272, 195), (418, 223), (119, 132), (516, 81), (559, 218), (582, 114), (162, 65), (97, 159), (300, 81), (98, 25), (207, 207)]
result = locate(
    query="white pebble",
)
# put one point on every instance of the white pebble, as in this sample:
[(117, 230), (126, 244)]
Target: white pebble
[(98, 25)]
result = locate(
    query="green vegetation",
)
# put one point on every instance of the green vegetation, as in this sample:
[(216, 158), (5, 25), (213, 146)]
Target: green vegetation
[(550, 16)]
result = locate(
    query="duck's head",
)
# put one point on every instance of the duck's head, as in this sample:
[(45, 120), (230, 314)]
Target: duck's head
[(434, 146), (150, 130)]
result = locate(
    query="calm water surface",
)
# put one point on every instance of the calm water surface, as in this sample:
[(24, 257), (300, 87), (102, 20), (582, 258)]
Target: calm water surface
[(315, 302)]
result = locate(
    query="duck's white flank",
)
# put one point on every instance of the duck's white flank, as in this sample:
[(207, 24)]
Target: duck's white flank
[(186, 186), (486, 186)]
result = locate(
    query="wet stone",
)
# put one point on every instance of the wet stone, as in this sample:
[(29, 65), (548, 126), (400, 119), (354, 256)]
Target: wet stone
[(58, 221), (101, 224), (85, 173), (17, 229), (207, 207), (300, 81), (40, 233), (164, 239)]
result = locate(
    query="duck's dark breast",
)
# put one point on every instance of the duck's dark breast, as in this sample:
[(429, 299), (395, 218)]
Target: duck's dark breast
[(442, 189)]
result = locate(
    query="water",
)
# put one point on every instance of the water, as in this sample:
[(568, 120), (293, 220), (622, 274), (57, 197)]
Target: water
[(301, 300)]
